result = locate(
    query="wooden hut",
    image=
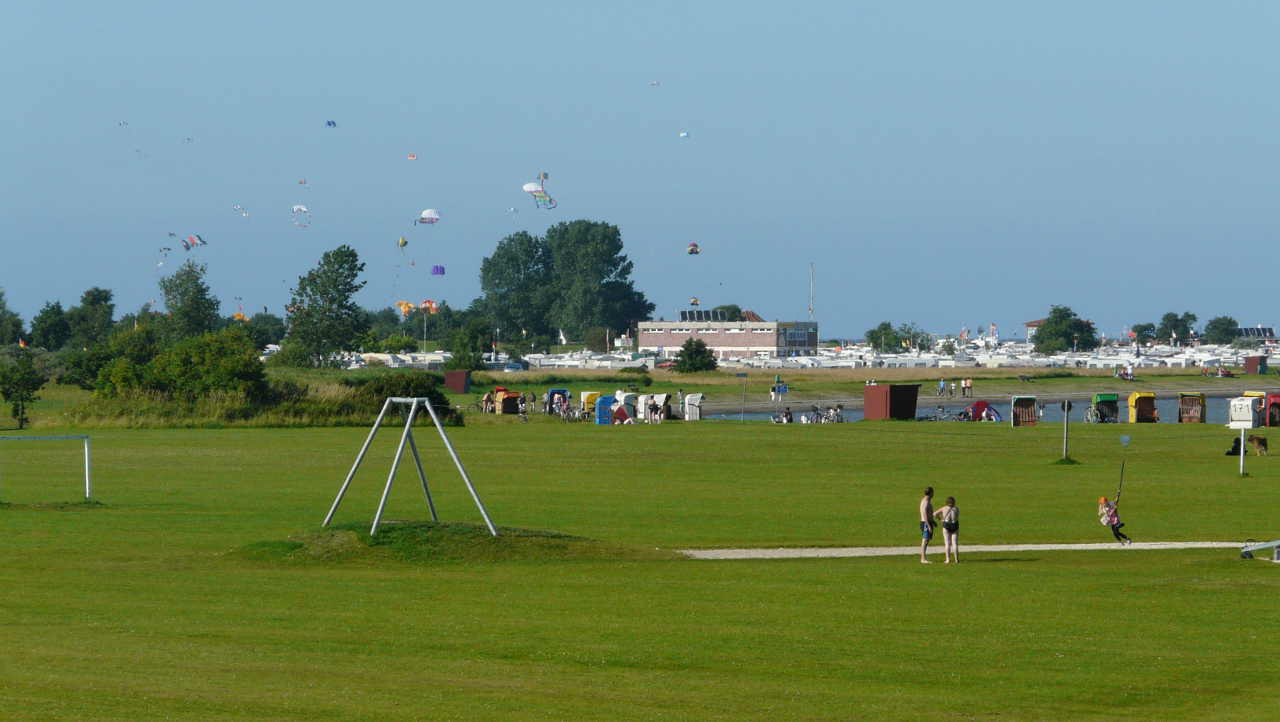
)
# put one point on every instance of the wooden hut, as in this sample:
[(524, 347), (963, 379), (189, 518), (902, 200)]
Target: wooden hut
[(1142, 408), (1023, 411), (1191, 408)]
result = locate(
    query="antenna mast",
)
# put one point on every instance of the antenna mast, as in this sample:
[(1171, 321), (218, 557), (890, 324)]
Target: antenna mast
[(812, 283)]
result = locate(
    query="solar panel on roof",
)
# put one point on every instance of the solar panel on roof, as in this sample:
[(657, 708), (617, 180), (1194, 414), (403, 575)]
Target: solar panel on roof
[(699, 315)]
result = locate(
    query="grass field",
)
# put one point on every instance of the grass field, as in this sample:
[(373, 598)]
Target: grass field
[(723, 389), (185, 595)]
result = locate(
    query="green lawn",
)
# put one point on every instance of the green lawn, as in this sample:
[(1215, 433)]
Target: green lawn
[(150, 605)]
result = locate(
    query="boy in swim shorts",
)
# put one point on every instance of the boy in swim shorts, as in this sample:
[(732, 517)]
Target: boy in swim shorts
[(926, 523)]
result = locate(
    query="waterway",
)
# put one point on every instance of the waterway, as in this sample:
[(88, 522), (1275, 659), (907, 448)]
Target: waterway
[(1215, 410)]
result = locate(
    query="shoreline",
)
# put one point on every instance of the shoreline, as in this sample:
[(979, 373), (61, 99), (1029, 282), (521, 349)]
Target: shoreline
[(925, 400)]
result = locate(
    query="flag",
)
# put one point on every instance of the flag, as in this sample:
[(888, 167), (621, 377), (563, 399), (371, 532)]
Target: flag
[(562, 338), (21, 343)]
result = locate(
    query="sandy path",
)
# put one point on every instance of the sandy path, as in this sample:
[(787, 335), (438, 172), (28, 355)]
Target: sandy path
[(841, 552)]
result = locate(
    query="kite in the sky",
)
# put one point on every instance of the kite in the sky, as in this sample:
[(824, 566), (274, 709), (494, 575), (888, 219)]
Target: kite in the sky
[(303, 182), (193, 241), (330, 124), (538, 190), (402, 243), (405, 307), (693, 301), (429, 216), (693, 249), (430, 307), (413, 156), (437, 270), (655, 83), (123, 124), (240, 209), (301, 216), (164, 255), (684, 134)]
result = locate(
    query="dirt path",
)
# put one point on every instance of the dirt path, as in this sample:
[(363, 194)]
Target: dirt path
[(842, 552)]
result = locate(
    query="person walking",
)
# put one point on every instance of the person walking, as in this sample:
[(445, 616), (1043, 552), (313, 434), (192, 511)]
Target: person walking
[(942, 387), (953, 389), (926, 523), (1109, 516), (949, 515)]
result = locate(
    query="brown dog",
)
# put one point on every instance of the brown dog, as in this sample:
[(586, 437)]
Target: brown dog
[(1259, 444)]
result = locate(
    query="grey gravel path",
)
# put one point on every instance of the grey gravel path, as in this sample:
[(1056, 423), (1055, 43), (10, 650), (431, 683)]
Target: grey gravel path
[(841, 552)]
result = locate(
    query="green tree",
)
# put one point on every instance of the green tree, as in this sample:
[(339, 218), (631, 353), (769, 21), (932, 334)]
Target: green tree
[(225, 360), (1143, 332), (50, 329), (914, 336), (1221, 330), (265, 328), (1175, 328), (596, 338), (732, 311), (192, 308), (20, 383), (91, 321), (399, 344), (10, 323), (124, 358), (884, 338), (518, 283), (323, 315), (144, 316), (1063, 330), (694, 356), (386, 322), (593, 279), (468, 346)]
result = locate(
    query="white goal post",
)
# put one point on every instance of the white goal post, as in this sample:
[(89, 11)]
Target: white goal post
[(88, 475)]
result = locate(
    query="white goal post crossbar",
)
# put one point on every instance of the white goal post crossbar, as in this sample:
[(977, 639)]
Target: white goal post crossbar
[(88, 475), (406, 437)]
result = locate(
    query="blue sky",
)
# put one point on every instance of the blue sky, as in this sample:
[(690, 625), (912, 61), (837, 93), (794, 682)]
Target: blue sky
[(944, 163)]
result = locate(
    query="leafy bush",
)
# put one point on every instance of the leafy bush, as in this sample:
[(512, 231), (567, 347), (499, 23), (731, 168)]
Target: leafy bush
[(371, 392), (292, 355), (84, 365), (399, 344), (223, 361), (284, 391), (694, 356)]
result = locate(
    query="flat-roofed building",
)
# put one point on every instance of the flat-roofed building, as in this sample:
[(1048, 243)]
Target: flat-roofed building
[(730, 339)]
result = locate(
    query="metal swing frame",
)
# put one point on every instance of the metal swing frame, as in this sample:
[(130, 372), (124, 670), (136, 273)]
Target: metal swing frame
[(406, 437)]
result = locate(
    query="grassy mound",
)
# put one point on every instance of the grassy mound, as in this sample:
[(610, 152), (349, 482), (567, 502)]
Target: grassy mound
[(419, 542)]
